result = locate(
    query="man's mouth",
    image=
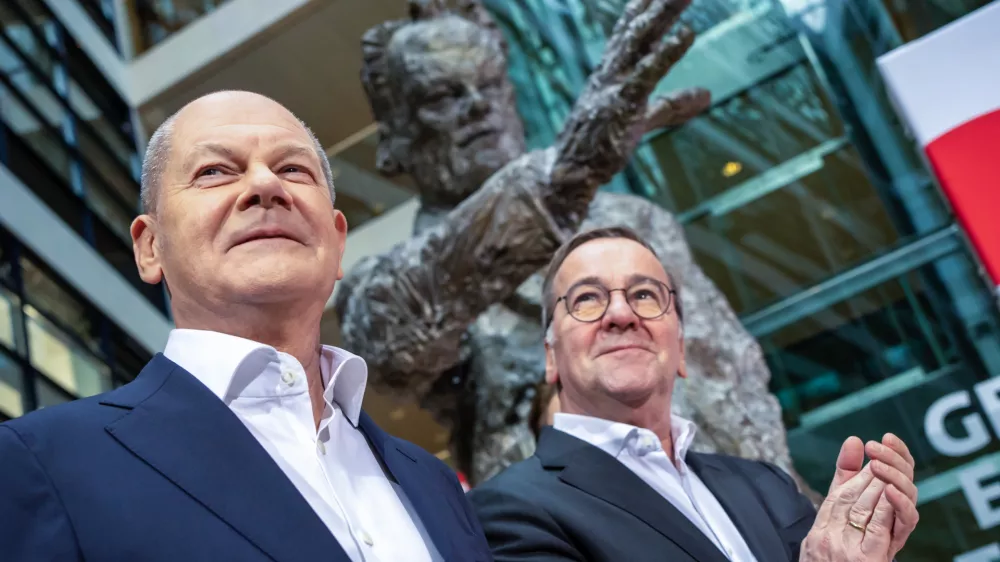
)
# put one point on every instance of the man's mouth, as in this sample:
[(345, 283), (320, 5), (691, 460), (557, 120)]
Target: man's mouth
[(621, 347), (264, 233)]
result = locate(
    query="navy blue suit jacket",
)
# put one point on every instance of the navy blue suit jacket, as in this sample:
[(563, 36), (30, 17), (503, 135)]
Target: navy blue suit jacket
[(574, 502), (161, 470)]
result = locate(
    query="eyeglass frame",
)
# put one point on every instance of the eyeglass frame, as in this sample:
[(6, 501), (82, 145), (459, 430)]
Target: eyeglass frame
[(671, 295)]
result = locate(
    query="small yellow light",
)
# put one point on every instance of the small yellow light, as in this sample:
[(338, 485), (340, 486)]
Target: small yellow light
[(731, 169)]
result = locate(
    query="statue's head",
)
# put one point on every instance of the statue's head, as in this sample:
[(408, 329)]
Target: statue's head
[(438, 88)]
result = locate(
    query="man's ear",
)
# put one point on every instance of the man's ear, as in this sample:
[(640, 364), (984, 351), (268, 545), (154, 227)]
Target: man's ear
[(551, 373), (340, 223), (144, 247)]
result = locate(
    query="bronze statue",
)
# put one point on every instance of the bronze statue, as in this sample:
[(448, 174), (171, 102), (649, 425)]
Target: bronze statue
[(452, 316)]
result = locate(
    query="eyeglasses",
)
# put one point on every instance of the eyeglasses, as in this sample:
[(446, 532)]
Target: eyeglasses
[(648, 299)]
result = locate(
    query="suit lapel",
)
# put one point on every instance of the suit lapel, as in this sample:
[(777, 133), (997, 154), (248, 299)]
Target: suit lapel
[(184, 432), (416, 483), (597, 473), (742, 504)]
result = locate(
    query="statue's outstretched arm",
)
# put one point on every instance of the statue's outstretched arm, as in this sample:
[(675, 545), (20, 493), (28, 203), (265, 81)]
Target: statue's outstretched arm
[(407, 311)]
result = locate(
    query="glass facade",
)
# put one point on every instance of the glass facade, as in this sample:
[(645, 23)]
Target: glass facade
[(54, 346), (67, 134), (102, 13), (805, 202), (155, 20)]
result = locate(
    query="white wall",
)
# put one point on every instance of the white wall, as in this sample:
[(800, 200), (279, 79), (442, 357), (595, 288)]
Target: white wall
[(47, 235)]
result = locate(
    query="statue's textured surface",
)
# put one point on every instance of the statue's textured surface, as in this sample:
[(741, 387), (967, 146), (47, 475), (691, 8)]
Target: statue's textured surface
[(452, 316)]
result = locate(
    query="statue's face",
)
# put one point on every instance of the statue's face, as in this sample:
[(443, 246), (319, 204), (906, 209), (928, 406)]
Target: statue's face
[(462, 123)]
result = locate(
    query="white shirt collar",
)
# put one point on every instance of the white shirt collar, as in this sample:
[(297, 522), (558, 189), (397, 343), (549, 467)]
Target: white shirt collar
[(228, 365), (614, 437)]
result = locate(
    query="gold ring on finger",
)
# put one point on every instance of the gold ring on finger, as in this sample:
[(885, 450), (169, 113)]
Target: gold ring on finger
[(857, 526)]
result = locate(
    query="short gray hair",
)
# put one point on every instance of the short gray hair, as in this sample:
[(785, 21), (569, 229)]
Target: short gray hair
[(154, 162)]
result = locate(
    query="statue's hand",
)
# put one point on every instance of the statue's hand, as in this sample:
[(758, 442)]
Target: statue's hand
[(613, 112)]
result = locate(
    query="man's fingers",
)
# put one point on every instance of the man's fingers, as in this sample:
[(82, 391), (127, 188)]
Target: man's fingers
[(849, 462), (676, 108), (893, 476), (655, 65), (879, 452), (861, 513), (847, 495), (877, 538), (906, 516), (897, 444)]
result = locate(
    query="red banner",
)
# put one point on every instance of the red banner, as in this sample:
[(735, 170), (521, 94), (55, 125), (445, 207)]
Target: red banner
[(946, 87)]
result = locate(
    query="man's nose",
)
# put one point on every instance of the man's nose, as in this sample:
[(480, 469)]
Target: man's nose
[(619, 314), (264, 188)]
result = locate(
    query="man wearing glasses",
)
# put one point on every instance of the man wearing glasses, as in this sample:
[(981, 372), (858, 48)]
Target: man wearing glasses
[(613, 479)]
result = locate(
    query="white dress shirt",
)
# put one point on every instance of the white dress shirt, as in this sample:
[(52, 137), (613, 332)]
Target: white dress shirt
[(333, 467), (640, 450)]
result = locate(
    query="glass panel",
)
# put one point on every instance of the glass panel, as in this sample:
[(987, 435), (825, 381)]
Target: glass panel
[(9, 312), (27, 40), (897, 331), (111, 139), (102, 13), (44, 292), (11, 381), (62, 360), (86, 75), (162, 18), (47, 394), (772, 122), (108, 205), (42, 139), (791, 227)]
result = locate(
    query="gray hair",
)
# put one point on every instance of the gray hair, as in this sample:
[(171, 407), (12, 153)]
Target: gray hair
[(154, 162)]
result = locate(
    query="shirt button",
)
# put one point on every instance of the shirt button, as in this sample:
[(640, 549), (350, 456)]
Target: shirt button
[(366, 538), (288, 378), (322, 448)]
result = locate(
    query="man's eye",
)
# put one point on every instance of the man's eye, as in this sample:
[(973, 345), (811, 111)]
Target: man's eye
[(213, 171), (293, 169)]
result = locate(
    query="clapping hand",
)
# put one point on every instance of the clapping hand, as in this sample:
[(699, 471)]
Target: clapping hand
[(613, 112), (870, 510)]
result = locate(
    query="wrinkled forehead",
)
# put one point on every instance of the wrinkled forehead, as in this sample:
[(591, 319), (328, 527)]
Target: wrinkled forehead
[(238, 124), (443, 49), (612, 262)]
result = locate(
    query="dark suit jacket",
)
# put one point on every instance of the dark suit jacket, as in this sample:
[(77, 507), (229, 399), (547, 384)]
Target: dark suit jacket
[(573, 501), (161, 470)]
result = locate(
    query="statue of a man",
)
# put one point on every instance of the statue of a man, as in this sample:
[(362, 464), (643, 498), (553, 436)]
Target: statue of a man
[(452, 316)]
